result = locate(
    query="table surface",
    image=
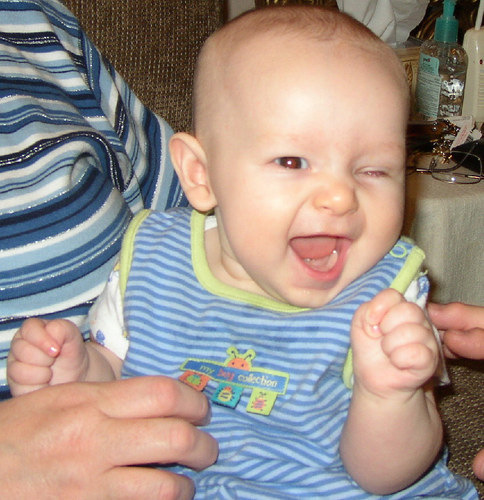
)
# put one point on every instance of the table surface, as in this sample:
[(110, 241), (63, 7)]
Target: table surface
[(446, 221)]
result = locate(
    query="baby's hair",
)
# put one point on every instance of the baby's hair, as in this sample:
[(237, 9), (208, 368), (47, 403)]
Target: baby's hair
[(319, 24)]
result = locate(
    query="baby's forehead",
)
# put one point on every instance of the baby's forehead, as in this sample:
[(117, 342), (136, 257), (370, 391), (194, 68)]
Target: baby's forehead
[(244, 50), (248, 45), (266, 56)]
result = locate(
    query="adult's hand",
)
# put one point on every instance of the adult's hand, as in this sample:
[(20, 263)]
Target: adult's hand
[(463, 328), (79, 440), (463, 335)]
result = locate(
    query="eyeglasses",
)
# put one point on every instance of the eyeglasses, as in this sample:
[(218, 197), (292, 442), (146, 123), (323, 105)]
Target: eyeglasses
[(457, 167)]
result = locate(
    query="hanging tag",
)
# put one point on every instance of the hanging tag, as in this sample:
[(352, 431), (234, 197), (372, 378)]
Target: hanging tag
[(261, 402), (227, 395), (196, 380)]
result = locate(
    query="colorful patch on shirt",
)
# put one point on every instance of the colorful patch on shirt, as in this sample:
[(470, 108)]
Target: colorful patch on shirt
[(195, 380), (235, 375), (227, 395), (261, 402)]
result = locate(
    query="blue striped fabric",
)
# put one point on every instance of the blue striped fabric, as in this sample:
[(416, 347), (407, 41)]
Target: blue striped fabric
[(293, 452), (79, 154)]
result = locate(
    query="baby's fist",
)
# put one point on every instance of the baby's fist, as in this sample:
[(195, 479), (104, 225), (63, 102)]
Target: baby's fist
[(394, 347)]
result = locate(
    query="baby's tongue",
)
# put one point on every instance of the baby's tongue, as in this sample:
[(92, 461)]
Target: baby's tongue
[(318, 252)]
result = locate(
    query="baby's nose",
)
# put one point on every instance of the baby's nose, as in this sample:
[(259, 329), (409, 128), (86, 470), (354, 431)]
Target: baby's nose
[(337, 196)]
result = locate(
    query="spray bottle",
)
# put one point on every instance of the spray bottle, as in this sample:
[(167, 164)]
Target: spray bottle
[(442, 69), (474, 93)]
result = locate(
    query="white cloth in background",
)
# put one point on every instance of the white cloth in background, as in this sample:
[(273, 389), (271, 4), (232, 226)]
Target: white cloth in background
[(391, 20), (445, 220)]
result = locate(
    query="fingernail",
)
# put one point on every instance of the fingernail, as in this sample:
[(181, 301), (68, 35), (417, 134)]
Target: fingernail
[(374, 331), (208, 416), (54, 350)]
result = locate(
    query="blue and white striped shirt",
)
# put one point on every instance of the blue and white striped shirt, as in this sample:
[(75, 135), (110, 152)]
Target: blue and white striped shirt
[(274, 370), (79, 154)]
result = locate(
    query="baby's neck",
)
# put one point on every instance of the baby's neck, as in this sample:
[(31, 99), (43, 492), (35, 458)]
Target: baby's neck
[(226, 268)]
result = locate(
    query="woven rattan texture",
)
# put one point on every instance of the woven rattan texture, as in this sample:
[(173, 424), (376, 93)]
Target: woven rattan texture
[(153, 44), (462, 407)]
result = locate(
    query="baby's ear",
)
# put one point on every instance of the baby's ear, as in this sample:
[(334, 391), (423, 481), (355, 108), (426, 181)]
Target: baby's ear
[(190, 163)]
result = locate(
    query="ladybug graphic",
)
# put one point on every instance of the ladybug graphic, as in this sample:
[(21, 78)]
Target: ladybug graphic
[(241, 362)]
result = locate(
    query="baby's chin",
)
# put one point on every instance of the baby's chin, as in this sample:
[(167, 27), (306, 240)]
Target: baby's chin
[(310, 298), (318, 296)]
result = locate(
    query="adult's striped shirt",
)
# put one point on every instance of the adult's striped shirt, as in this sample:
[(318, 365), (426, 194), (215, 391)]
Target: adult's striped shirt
[(79, 155)]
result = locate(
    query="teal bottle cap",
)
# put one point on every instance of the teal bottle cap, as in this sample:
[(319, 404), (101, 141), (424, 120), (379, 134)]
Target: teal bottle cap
[(447, 26)]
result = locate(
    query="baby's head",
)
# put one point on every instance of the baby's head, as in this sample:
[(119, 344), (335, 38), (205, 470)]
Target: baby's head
[(299, 146)]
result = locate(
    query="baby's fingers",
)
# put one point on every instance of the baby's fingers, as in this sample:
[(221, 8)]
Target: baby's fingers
[(374, 312), (412, 348), (415, 357), (30, 376), (34, 332), (27, 352)]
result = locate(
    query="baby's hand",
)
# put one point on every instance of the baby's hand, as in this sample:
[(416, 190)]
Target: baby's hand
[(394, 348), (45, 353)]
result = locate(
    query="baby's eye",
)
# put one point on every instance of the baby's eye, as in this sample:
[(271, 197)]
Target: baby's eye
[(292, 162), (375, 173)]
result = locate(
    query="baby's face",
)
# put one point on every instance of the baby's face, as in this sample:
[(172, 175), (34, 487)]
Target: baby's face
[(307, 166)]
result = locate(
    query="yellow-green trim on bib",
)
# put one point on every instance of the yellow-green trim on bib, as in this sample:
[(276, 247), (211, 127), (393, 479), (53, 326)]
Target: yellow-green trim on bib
[(127, 248), (409, 272), (215, 286), (411, 269)]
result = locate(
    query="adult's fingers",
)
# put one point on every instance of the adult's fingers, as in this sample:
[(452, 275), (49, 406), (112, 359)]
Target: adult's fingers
[(149, 420), (456, 316), (466, 344), (144, 397), (478, 465), (157, 440), (142, 483), (65, 441)]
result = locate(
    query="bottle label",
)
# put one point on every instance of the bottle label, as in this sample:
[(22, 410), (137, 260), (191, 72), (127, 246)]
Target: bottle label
[(428, 86), (451, 95)]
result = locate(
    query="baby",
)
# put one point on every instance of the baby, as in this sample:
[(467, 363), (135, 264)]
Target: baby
[(295, 171)]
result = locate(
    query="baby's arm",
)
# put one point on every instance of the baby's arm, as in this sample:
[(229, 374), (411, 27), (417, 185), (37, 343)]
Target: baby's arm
[(53, 352), (393, 431)]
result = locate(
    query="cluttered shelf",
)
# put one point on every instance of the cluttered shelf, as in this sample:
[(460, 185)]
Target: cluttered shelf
[(446, 149)]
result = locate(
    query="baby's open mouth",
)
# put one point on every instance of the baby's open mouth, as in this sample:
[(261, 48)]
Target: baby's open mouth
[(320, 253)]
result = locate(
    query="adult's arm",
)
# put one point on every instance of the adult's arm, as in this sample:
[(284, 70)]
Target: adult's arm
[(79, 155), (83, 440)]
